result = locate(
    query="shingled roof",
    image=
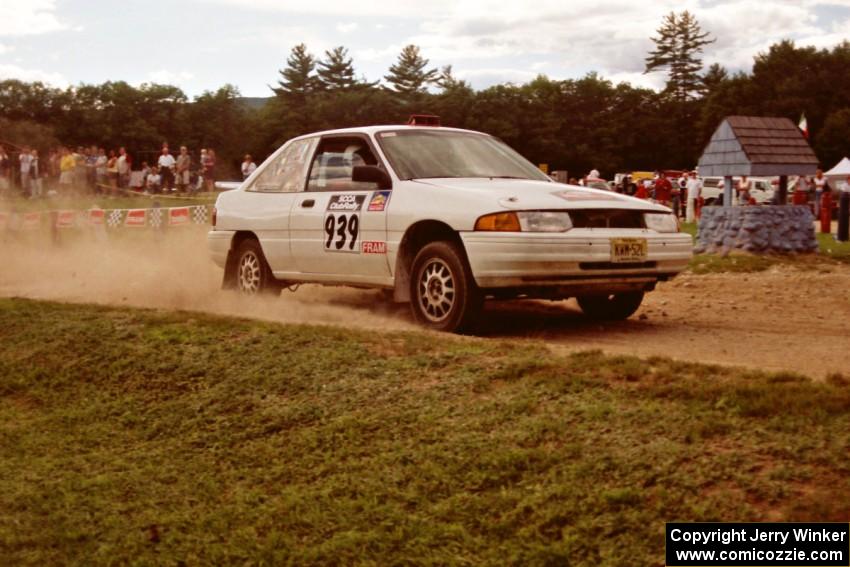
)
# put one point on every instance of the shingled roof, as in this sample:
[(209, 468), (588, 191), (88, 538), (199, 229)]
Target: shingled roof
[(758, 146)]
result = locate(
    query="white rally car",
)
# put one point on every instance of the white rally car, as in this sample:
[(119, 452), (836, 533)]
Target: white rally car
[(442, 218)]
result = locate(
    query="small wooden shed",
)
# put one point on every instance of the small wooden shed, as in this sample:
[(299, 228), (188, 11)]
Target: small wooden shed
[(757, 146)]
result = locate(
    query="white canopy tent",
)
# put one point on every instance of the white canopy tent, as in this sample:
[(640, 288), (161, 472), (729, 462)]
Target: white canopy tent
[(838, 174)]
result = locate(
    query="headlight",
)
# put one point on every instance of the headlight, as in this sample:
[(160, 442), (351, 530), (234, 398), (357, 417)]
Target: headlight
[(525, 221), (661, 222), (544, 221)]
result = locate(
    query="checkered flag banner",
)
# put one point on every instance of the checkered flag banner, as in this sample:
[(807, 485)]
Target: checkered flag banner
[(155, 218), (200, 214), (113, 219)]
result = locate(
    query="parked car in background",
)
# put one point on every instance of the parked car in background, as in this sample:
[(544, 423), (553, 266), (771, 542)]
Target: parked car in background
[(443, 219), (762, 190)]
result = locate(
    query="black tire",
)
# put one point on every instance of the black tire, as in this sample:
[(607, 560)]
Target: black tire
[(252, 274), (612, 306), (443, 293)]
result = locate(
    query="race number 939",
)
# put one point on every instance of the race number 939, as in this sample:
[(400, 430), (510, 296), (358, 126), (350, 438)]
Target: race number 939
[(342, 232)]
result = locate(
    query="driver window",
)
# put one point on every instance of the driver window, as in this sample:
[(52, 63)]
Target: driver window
[(334, 162), (286, 172)]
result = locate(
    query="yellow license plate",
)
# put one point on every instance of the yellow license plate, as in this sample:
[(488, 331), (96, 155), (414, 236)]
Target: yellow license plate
[(628, 249)]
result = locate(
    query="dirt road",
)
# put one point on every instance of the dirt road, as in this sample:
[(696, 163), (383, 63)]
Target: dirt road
[(782, 319)]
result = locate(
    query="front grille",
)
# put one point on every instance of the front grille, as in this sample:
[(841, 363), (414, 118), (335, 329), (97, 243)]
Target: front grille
[(606, 218), (615, 265)]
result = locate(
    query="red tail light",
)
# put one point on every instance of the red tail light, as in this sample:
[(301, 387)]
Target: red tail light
[(214, 216)]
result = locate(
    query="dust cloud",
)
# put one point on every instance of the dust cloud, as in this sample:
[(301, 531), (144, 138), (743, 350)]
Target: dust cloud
[(169, 270)]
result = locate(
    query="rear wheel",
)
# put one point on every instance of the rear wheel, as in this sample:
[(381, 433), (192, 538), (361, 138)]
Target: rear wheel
[(612, 306), (443, 294), (253, 274)]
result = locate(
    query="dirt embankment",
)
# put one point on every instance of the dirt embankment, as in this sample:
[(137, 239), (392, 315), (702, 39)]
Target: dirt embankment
[(781, 319)]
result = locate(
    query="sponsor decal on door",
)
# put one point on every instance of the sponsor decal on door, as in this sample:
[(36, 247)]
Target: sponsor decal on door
[(379, 201), (346, 202), (374, 247)]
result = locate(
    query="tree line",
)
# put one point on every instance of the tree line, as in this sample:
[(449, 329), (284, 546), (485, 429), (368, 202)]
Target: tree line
[(572, 124)]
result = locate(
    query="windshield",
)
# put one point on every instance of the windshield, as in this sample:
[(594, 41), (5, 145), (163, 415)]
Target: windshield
[(422, 154)]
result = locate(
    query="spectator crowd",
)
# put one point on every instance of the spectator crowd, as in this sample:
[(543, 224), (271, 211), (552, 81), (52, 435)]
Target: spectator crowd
[(92, 170)]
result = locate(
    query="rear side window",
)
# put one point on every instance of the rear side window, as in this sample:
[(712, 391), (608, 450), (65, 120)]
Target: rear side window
[(334, 162), (286, 171)]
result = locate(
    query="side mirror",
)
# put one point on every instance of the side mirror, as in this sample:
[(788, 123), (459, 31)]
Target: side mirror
[(372, 174)]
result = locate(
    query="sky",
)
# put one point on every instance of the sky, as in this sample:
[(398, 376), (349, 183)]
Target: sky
[(200, 45)]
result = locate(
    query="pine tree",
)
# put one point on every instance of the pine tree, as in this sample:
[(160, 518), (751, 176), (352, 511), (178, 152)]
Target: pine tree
[(336, 70), (408, 75), (679, 43), (298, 77), (714, 77), (447, 81)]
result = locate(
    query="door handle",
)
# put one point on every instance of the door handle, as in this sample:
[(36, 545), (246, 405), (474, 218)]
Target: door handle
[(308, 203)]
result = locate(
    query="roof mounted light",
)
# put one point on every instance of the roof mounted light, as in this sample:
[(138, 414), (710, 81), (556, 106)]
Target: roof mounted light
[(423, 120)]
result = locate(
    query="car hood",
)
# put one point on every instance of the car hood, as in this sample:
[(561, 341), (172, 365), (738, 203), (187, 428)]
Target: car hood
[(526, 194)]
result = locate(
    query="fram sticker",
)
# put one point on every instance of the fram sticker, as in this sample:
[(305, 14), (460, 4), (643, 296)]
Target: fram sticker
[(379, 201), (346, 202), (374, 247)]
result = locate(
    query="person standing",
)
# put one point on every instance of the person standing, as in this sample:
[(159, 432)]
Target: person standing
[(744, 191), (663, 189), (4, 171), (209, 170), (680, 192), (166, 165), (100, 174), (67, 163), (122, 164), (35, 176), (184, 168), (820, 184), (694, 190), (248, 167), (25, 161), (80, 169), (112, 172), (91, 168)]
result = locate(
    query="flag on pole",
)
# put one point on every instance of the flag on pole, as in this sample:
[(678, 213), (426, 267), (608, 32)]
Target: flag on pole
[(804, 126)]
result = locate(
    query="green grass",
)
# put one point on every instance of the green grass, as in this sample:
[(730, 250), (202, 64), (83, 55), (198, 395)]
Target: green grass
[(131, 436), (830, 253)]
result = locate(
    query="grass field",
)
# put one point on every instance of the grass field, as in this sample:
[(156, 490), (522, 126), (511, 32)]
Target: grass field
[(830, 253), (131, 436)]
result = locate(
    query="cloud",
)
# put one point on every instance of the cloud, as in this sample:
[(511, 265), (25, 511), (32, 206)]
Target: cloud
[(11, 71), (29, 17), (6, 49), (166, 77), (346, 28)]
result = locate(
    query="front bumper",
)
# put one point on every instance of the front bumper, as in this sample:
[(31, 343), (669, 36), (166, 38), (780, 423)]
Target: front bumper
[(579, 258)]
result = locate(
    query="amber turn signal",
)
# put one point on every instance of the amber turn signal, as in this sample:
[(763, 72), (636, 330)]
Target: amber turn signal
[(499, 222)]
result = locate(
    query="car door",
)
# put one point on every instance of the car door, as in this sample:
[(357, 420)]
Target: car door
[(338, 226), (268, 199)]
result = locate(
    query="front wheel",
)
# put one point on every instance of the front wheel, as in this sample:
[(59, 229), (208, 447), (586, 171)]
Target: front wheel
[(253, 274), (443, 294), (612, 306)]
